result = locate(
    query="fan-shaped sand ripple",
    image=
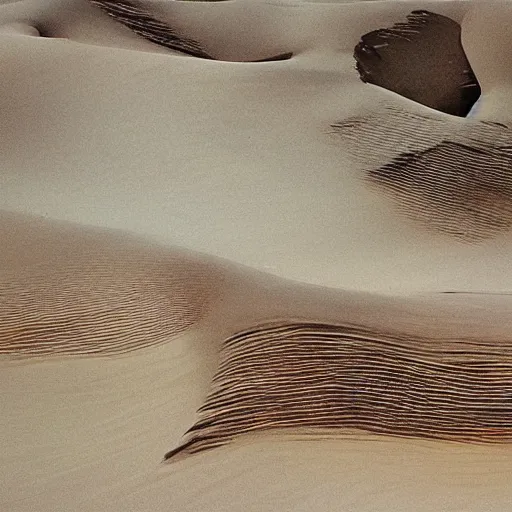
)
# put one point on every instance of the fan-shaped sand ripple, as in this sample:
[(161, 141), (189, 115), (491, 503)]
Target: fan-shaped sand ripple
[(338, 378)]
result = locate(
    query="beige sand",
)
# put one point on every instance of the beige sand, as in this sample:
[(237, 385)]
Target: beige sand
[(234, 160), (89, 432)]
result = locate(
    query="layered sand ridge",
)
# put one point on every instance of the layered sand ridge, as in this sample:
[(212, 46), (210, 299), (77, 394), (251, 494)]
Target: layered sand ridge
[(237, 159)]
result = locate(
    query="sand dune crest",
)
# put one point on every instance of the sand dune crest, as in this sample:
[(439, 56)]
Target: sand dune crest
[(91, 294)]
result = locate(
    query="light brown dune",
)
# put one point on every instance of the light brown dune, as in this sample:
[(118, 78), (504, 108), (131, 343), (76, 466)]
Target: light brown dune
[(297, 357), (231, 209), (454, 178)]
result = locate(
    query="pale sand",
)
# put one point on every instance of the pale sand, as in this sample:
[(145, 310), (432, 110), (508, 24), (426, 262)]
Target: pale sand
[(235, 160), (89, 433)]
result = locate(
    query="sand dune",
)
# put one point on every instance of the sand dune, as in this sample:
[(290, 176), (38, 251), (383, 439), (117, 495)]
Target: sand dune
[(421, 59), (184, 239), (94, 294), (158, 343)]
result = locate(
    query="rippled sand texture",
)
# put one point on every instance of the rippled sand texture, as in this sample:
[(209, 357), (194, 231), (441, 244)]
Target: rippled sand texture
[(247, 238), (290, 365), (317, 376), (452, 179), (96, 295)]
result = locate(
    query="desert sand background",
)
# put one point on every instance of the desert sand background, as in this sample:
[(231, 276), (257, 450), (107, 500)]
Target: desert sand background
[(117, 151)]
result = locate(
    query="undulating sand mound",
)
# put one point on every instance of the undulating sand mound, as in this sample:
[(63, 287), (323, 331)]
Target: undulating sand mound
[(138, 18), (455, 178), (337, 378), (281, 239), (151, 142), (283, 366), (94, 294)]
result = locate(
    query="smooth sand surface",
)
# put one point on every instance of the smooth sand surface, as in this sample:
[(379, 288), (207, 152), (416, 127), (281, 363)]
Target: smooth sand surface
[(238, 161), (159, 145)]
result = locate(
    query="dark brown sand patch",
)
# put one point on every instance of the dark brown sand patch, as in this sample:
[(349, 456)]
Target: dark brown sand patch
[(421, 59)]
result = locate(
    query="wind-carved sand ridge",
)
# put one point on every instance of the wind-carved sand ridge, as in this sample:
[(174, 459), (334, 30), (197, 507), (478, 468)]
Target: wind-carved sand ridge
[(287, 363), (109, 344), (139, 18), (452, 177), (102, 307), (99, 297), (328, 377)]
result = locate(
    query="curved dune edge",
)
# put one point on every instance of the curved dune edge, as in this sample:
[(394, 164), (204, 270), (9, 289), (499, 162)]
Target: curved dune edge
[(102, 305), (298, 357), (450, 176), (138, 18), (86, 292), (421, 59), (19, 28), (338, 378), (87, 434)]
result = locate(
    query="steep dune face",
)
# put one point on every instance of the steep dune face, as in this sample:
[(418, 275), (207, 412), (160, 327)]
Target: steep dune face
[(140, 20), (146, 135), (488, 59), (362, 208), (421, 59), (334, 378), (453, 178)]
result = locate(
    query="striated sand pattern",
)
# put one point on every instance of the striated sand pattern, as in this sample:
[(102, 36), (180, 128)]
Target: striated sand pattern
[(138, 18), (190, 261), (335, 377), (452, 177), (101, 296)]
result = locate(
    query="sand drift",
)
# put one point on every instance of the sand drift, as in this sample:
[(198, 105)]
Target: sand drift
[(268, 243)]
